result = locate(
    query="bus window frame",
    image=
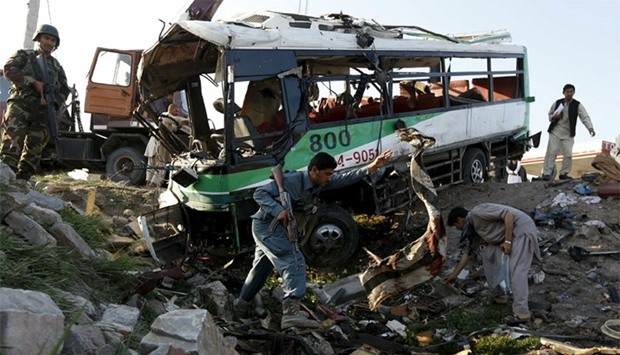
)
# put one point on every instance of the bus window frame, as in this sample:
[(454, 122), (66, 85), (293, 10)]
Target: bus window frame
[(294, 95)]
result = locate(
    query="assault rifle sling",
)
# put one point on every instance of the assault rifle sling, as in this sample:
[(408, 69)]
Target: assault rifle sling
[(50, 97)]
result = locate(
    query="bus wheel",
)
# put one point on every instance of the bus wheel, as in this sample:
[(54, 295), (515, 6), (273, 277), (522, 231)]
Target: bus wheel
[(474, 166), (334, 239), (126, 164)]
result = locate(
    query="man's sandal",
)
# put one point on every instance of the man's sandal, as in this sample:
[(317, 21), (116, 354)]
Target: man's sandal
[(500, 300), (515, 320)]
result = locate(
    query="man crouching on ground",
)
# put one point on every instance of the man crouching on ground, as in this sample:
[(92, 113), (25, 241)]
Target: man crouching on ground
[(502, 230)]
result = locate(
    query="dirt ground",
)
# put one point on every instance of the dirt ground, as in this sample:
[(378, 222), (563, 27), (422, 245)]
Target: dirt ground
[(576, 296)]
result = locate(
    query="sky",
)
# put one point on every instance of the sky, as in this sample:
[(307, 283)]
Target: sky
[(568, 41)]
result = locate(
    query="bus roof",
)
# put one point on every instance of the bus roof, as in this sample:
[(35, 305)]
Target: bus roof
[(274, 30), (268, 30)]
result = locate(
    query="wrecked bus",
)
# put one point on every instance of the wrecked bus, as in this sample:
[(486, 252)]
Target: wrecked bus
[(287, 86)]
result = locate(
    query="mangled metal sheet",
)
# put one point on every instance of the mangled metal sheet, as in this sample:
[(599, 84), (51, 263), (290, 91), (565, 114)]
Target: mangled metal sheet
[(196, 44)]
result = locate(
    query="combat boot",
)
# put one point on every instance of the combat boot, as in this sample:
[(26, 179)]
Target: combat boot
[(24, 172), (23, 175), (292, 317), (242, 309)]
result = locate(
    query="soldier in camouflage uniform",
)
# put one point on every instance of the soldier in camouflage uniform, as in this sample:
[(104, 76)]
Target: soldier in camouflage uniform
[(25, 131)]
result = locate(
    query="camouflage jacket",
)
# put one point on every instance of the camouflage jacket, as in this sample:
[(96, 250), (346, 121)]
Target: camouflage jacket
[(26, 61)]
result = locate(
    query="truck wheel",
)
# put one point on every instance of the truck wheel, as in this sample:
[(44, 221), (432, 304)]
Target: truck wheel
[(126, 164), (334, 238), (474, 167)]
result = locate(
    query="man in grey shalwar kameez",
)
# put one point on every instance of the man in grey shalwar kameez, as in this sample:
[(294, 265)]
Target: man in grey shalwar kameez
[(503, 230)]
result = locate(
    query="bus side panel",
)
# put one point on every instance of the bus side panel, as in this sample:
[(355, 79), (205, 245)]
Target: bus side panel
[(356, 144)]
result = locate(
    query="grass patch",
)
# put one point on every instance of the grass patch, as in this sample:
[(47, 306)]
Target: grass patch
[(372, 221), (49, 269), (142, 328), (54, 178), (329, 275), (62, 178), (505, 345), (90, 228), (465, 319), (469, 320), (272, 281)]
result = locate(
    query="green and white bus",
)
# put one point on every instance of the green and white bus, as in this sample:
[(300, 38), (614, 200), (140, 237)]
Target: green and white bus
[(288, 86)]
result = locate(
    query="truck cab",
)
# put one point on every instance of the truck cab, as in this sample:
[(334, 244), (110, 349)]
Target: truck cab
[(116, 141), (111, 97), (111, 93)]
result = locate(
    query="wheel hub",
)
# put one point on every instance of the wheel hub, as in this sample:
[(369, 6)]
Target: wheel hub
[(477, 172), (325, 238)]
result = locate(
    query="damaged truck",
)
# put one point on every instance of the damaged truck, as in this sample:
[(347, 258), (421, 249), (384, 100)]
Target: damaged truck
[(271, 88), (114, 143)]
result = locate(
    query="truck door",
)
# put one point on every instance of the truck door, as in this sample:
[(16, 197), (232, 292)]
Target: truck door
[(111, 89)]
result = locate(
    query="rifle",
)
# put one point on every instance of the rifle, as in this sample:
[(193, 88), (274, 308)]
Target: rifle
[(285, 200), (50, 97)]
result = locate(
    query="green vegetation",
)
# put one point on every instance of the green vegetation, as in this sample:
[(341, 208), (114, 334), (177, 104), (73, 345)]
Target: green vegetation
[(142, 327), (505, 345), (50, 269), (61, 178), (90, 228), (471, 324), (58, 345), (468, 321), (330, 275), (53, 178), (59, 270), (371, 222)]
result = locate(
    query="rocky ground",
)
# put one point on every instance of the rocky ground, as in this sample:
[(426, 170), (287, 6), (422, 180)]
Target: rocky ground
[(575, 298), (577, 295)]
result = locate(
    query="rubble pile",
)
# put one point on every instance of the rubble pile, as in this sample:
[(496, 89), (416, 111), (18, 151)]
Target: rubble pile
[(573, 295)]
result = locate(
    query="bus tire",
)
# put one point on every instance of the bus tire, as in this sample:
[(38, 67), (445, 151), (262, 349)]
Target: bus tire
[(126, 164), (474, 166), (334, 239)]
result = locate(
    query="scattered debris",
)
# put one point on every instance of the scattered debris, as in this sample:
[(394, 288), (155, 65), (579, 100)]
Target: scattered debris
[(574, 303)]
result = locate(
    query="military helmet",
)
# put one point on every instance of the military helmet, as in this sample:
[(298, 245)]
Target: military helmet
[(47, 29)]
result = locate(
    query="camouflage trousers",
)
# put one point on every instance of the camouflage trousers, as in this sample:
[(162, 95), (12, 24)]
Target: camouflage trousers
[(25, 133)]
